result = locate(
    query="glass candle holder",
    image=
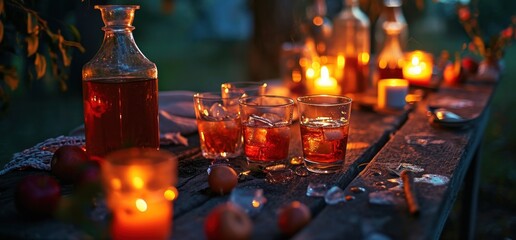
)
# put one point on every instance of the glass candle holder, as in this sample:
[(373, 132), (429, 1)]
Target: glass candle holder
[(139, 186), (392, 93), (418, 68)]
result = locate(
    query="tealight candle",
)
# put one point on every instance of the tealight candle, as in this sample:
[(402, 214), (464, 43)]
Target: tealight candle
[(139, 189), (392, 93), (326, 84), (418, 68)]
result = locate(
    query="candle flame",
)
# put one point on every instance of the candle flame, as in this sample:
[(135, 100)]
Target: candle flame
[(341, 61), (415, 60), (364, 58), (138, 182), (141, 205), (318, 21), (255, 204), (325, 80), (171, 193), (325, 74), (296, 76), (310, 73)]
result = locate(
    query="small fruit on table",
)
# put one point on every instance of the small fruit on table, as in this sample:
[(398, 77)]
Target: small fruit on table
[(37, 195), (293, 217), (68, 163), (227, 221), (222, 179)]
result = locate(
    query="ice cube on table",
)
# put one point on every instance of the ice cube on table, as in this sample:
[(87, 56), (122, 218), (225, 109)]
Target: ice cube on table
[(280, 176), (316, 190), (334, 195), (251, 200)]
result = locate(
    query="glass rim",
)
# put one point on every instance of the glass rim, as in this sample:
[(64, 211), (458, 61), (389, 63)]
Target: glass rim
[(144, 156), (215, 95), (289, 101), (303, 100), (111, 6), (250, 83)]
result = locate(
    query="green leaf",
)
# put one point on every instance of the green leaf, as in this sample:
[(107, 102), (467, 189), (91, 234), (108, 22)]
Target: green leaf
[(75, 32), (32, 24), (62, 48), (32, 44), (40, 64), (11, 79), (480, 44)]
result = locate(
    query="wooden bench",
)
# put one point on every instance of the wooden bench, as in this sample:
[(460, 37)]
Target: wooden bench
[(377, 143)]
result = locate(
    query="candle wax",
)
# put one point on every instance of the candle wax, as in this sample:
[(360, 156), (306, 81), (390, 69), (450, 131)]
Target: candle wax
[(326, 84), (154, 223), (392, 93)]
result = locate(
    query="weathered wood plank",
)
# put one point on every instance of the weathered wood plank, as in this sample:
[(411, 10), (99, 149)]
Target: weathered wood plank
[(359, 219), (369, 132)]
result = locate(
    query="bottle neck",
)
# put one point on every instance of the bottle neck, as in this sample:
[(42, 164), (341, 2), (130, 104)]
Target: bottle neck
[(350, 3), (319, 8)]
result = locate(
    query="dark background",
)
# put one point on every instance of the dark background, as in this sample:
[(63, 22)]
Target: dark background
[(201, 43)]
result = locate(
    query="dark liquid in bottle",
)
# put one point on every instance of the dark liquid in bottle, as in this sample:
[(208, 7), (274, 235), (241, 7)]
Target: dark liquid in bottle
[(387, 72), (120, 114), (354, 76)]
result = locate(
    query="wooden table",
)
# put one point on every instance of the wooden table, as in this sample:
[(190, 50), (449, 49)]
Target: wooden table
[(377, 142)]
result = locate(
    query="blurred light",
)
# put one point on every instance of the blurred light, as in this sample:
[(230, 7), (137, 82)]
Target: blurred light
[(141, 205), (171, 193)]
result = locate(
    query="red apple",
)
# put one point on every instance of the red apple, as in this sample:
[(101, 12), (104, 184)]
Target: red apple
[(452, 73), (293, 217), (68, 162), (470, 65), (37, 195), (222, 179), (227, 222)]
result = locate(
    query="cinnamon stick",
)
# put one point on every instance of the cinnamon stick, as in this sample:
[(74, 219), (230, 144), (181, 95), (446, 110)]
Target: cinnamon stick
[(410, 191)]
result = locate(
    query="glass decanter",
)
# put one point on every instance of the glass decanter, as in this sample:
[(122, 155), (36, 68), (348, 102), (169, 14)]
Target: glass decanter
[(391, 12), (391, 58), (351, 48), (120, 89), (319, 26)]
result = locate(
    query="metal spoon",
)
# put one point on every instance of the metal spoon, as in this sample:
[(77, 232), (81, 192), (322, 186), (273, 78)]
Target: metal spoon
[(444, 115)]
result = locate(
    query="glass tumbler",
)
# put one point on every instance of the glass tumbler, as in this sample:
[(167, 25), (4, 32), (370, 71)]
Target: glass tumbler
[(324, 122), (266, 122), (218, 123), (244, 88)]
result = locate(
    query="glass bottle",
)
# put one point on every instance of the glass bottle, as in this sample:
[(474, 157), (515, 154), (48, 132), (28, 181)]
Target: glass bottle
[(391, 12), (319, 26), (351, 48), (120, 89), (391, 59)]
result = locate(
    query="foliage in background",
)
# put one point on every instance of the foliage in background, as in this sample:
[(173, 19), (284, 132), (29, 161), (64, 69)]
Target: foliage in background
[(489, 46), (24, 32)]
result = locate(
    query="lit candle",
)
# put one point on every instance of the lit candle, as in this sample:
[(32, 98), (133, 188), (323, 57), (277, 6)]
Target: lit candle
[(418, 68), (135, 218), (326, 84), (392, 93), (139, 189)]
